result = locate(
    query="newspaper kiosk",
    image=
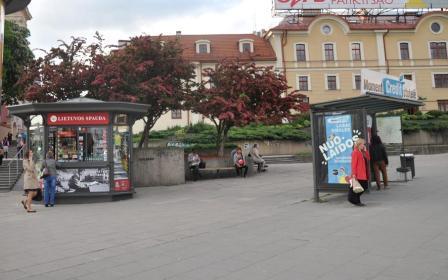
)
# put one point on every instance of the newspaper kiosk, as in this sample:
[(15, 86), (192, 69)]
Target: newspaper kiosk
[(91, 141)]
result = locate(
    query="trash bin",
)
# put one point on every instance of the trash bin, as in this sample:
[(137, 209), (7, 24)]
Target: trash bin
[(407, 160)]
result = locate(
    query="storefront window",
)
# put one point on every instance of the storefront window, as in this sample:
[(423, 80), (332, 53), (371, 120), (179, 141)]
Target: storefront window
[(78, 144), (36, 137), (121, 158)]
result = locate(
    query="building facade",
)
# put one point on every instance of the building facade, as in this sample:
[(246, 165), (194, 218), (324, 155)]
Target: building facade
[(12, 124), (206, 51), (322, 54)]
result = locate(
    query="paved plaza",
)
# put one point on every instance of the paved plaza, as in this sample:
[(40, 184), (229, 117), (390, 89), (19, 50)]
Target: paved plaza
[(262, 227)]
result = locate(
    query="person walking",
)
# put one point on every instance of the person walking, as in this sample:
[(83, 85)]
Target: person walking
[(6, 145), (2, 152), (380, 161), (31, 184), (360, 163), (50, 173), (240, 162)]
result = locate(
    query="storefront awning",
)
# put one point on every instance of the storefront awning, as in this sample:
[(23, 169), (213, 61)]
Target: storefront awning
[(372, 103)]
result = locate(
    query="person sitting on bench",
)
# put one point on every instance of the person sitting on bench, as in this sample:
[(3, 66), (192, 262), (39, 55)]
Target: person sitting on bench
[(193, 163), (240, 162), (258, 159)]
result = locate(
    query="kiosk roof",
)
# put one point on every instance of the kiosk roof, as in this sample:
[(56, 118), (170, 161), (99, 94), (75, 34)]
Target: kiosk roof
[(79, 105), (372, 103)]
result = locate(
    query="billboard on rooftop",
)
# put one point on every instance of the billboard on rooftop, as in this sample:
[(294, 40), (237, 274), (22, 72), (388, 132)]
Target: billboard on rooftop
[(358, 4)]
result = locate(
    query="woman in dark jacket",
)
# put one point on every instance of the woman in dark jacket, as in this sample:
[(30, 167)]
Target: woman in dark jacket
[(360, 159), (379, 160)]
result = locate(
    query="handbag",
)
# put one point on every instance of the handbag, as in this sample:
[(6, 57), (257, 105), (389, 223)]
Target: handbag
[(45, 172), (38, 196), (356, 186)]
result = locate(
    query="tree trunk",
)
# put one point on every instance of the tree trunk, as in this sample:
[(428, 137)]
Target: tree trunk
[(145, 134)]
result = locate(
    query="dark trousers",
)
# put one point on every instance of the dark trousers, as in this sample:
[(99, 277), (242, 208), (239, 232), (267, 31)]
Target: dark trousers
[(239, 168), (355, 198), (377, 167), (1, 160), (195, 172)]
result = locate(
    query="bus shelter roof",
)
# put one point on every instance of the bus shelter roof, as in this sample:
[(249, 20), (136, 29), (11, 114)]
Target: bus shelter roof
[(372, 103)]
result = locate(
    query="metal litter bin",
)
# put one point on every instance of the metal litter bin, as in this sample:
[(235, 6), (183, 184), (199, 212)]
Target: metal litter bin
[(407, 160)]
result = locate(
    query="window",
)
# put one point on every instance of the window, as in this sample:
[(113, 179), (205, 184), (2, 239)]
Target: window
[(78, 144), (303, 83), (443, 105), (356, 51), (300, 52), (329, 51), (203, 48), (404, 51), (358, 82), (438, 50), (176, 114), (407, 77), (441, 80), (326, 29), (246, 47), (435, 27), (332, 82)]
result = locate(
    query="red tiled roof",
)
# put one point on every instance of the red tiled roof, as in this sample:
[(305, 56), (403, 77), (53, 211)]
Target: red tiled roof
[(224, 46), (389, 22)]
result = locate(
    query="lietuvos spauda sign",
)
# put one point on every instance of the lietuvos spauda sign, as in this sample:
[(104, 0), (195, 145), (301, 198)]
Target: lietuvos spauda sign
[(384, 84)]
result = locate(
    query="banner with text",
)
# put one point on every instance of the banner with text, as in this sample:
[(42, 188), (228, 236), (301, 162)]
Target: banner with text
[(96, 118), (384, 84), (358, 4), (338, 147)]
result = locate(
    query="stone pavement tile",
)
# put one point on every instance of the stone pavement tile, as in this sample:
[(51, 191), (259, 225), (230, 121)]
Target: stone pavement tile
[(12, 274)]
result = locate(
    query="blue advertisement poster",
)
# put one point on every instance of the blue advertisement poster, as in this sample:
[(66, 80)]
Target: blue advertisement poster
[(338, 148)]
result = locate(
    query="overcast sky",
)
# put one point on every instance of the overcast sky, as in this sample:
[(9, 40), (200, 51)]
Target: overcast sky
[(118, 19)]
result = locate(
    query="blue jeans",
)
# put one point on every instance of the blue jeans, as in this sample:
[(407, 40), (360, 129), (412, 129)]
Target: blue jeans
[(50, 189)]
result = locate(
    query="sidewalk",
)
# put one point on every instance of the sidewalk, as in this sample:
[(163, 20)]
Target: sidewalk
[(262, 227)]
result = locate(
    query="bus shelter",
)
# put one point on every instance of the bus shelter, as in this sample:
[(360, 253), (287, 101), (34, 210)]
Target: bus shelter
[(91, 141), (336, 125)]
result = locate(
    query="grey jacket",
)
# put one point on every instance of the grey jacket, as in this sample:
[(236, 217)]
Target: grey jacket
[(51, 165)]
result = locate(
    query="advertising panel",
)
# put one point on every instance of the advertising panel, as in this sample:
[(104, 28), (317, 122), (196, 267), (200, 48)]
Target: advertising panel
[(94, 118), (80, 180), (388, 85), (337, 149), (358, 4)]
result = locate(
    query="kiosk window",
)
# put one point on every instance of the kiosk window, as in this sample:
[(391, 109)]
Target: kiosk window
[(78, 144)]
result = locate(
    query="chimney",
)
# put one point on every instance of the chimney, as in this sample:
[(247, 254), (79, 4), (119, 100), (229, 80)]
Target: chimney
[(178, 33)]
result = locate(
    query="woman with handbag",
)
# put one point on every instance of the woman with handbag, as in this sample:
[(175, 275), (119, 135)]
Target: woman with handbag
[(49, 176), (360, 162), (31, 184)]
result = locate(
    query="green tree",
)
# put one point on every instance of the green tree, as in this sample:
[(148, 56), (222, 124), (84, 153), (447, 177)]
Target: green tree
[(17, 55)]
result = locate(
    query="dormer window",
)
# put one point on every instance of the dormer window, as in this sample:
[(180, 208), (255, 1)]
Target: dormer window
[(203, 46), (246, 45)]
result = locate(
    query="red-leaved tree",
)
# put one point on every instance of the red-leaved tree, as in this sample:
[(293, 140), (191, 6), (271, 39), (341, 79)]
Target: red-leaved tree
[(236, 94), (147, 71), (64, 72)]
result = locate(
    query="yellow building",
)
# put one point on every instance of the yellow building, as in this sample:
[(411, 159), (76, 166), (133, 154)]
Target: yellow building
[(322, 55)]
